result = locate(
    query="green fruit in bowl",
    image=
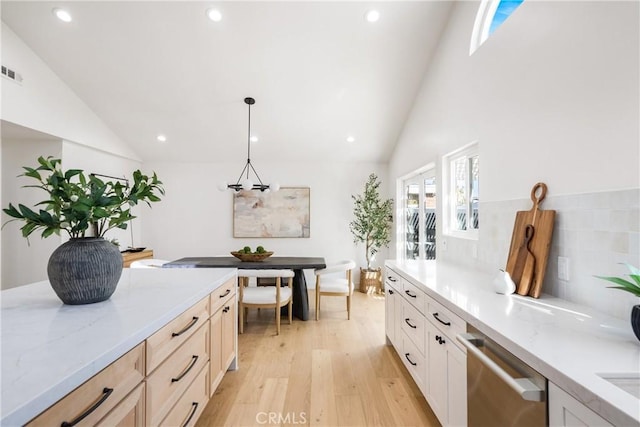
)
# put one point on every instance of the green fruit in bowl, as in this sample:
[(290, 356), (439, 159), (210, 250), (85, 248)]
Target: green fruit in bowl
[(260, 250), (246, 250)]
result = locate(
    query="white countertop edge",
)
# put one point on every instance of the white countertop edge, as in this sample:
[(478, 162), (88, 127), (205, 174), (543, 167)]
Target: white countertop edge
[(610, 402), (25, 412)]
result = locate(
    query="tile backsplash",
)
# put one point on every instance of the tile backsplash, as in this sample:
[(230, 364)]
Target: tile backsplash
[(594, 231)]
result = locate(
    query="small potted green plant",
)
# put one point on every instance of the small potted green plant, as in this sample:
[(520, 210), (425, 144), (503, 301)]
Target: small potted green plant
[(632, 287), (85, 269), (371, 226)]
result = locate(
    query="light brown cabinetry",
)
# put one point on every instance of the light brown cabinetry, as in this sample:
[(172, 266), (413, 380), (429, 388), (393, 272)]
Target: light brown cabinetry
[(166, 340), (167, 384), (223, 332), (167, 379), (191, 404), (130, 412), (129, 257), (93, 400)]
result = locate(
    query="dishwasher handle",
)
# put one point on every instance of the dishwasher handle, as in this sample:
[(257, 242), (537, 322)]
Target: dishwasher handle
[(523, 386)]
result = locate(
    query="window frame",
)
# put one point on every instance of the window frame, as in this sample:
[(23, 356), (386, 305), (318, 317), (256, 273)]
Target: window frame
[(449, 211), (417, 177), (483, 22)]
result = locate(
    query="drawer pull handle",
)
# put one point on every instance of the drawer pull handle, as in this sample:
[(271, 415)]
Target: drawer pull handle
[(226, 309), (194, 359), (406, 355), (106, 392), (193, 412), (440, 320), (391, 278), (189, 326), (224, 295), (410, 294), (409, 323)]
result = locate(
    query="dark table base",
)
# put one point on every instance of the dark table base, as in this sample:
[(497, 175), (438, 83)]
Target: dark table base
[(297, 264)]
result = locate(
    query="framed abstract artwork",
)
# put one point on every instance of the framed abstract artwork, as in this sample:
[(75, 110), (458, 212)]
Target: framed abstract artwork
[(284, 213)]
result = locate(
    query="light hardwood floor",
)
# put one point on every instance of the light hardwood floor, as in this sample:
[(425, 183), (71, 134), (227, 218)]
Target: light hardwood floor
[(333, 372)]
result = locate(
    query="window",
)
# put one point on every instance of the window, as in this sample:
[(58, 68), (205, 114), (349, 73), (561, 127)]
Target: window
[(491, 14), (462, 189), (420, 215)]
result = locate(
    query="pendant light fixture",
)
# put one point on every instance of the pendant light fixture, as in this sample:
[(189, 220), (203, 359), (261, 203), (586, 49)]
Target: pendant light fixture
[(247, 183)]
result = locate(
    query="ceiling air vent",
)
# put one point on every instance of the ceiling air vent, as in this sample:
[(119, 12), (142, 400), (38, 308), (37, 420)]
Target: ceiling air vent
[(11, 74)]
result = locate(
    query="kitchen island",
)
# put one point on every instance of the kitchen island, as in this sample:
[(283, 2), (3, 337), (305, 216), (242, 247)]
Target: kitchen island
[(49, 349), (573, 346)]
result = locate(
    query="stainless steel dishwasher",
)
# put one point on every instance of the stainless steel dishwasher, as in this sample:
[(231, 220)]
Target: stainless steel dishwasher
[(502, 390)]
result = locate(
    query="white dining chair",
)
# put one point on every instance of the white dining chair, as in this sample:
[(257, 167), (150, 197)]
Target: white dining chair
[(328, 283), (148, 263), (265, 296)]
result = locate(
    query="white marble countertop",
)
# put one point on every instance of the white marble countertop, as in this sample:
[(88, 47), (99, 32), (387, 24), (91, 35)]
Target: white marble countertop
[(567, 343), (48, 348)]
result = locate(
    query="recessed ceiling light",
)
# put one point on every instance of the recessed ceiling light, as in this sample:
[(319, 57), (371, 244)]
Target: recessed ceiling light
[(214, 15), (62, 14), (372, 16), (350, 139), (162, 138), (253, 139)]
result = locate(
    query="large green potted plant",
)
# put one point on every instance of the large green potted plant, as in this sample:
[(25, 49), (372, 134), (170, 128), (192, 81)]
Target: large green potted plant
[(371, 226), (633, 287), (86, 268)]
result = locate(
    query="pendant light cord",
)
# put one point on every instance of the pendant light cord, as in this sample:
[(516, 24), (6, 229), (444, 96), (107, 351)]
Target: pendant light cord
[(249, 143)]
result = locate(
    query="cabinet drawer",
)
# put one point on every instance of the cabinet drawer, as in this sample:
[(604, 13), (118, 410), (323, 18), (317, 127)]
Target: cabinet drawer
[(222, 294), (415, 296), (444, 319), (413, 324), (109, 387), (392, 279), (191, 404), (166, 340), (167, 383), (414, 361), (129, 412)]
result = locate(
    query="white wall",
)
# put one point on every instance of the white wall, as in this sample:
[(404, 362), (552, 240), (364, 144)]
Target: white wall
[(552, 96), (196, 219), (45, 103), (24, 261)]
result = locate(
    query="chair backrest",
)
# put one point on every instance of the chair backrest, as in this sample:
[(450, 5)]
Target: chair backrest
[(244, 275), (337, 267), (148, 263), (265, 273)]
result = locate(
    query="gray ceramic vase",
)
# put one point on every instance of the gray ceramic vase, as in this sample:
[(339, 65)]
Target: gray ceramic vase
[(635, 320), (85, 270)]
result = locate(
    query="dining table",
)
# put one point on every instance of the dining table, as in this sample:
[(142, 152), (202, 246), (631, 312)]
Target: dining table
[(297, 264)]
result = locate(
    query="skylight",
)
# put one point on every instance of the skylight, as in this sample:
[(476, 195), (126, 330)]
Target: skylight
[(491, 14)]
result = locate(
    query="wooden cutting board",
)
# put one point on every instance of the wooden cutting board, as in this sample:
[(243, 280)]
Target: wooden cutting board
[(531, 272)]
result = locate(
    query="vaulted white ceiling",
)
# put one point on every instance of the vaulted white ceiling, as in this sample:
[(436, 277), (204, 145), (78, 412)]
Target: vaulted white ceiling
[(318, 70)]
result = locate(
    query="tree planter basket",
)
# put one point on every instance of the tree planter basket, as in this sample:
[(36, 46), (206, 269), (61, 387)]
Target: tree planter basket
[(370, 280)]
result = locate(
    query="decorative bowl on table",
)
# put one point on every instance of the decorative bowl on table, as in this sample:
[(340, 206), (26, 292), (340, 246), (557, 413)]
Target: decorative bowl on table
[(251, 257)]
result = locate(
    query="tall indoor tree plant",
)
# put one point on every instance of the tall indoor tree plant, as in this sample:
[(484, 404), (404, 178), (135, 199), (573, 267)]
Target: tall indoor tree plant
[(86, 268), (371, 226)]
